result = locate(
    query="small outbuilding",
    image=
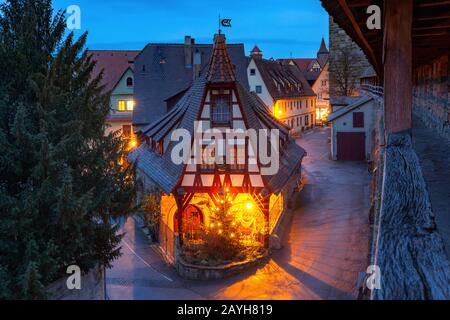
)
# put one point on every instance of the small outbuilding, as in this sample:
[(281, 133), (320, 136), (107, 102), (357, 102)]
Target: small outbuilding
[(351, 130)]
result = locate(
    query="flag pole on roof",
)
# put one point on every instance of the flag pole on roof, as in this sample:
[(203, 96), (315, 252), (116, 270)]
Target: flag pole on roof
[(226, 23)]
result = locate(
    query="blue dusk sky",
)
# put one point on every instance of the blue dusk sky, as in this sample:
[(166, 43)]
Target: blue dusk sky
[(281, 28)]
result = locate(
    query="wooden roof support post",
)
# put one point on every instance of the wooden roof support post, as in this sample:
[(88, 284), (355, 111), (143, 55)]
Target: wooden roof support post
[(397, 61)]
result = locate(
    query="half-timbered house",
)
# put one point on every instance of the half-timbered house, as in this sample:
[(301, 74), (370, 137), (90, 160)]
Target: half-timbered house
[(218, 111)]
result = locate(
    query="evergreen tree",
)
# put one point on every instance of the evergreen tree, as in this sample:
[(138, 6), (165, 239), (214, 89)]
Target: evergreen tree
[(60, 178)]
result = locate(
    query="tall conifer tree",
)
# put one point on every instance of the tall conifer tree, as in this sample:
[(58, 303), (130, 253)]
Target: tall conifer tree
[(60, 178)]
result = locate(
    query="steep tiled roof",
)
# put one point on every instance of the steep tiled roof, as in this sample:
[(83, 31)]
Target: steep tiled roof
[(113, 63), (166, 174), (283, 80), (304, 64), (161, 73), (220, 69), (323, 47), (256, 50)]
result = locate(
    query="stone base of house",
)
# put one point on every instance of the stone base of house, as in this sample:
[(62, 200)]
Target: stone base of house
[(197, 272)]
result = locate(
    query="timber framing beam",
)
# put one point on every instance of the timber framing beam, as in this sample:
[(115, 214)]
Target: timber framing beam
[(397, 61)]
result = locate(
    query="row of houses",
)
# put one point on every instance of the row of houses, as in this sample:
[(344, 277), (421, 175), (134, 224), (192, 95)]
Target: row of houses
[(145, 85)]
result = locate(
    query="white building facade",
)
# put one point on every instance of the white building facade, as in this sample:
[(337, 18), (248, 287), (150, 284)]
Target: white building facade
[(284, 90), (351, 130)]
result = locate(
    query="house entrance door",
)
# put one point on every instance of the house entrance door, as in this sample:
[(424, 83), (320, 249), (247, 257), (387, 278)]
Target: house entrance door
[(192, 223)]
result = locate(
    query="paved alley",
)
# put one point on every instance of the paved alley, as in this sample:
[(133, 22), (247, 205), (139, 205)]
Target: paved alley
[(325, 246)]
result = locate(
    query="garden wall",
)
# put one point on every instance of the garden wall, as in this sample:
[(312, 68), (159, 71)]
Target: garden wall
[(196, 272)]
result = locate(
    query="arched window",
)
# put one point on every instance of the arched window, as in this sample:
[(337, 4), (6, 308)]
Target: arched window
[(129, 82), (192, 220)]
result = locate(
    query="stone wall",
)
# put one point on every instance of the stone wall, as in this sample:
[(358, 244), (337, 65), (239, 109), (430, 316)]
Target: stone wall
[(197, 272), (409, 250), (92, 287), (432, 95), (347, 61)]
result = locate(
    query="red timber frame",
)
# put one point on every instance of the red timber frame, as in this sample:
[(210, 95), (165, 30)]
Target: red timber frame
[(184, 195)]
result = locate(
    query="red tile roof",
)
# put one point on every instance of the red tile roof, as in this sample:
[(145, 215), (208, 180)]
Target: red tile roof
[(323, 47), (283, 80), (113, 63), (221, 69), (304, 63), (256, 49)]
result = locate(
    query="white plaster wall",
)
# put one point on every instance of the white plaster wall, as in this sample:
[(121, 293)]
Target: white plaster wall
[(257, 80), (345, 124), (322, 90), (120, 92)]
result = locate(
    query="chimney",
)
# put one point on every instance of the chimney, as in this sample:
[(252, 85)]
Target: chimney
[(197, 64), (188, 51)]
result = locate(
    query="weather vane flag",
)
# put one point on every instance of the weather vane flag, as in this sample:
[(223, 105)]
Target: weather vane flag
[(226, 23)]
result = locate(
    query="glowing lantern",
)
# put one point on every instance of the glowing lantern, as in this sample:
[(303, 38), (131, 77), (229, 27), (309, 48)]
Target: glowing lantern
[(249, 205), (133, 143)]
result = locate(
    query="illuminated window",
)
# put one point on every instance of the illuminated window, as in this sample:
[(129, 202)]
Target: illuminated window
[(121, 105), (130, 105)]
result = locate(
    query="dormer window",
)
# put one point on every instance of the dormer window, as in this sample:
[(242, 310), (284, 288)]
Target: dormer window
[(129, 82), (221, 110)]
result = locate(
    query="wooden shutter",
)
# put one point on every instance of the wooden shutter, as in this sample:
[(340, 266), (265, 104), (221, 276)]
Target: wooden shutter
[(358, 119)]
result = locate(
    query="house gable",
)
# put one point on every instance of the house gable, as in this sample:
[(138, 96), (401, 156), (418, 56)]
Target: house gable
[(257, 80), (121, 86)]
